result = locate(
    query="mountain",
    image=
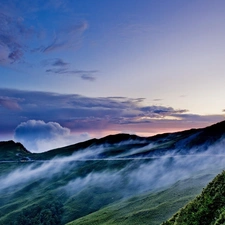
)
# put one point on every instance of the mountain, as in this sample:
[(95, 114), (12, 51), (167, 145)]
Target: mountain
[(119, 145), (195, 140), (10, 150), (118, 179), (206, 208)]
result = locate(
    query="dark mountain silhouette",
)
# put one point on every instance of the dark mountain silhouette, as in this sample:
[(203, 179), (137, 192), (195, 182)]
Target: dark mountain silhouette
[(9, 150), (178, 142)]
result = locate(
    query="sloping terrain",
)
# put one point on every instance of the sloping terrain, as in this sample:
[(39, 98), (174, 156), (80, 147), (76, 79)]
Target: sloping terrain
[(207, 208), (9, 150), (118, 179), (150, 208), (127, 146)]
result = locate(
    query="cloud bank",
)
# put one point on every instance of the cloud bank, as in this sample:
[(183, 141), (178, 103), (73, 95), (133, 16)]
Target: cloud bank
[(83, 114)]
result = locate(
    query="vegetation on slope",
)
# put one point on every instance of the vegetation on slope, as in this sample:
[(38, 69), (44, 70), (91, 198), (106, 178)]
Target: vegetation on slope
[(150, 208), (80, 189), (75, 185), (207, 208)]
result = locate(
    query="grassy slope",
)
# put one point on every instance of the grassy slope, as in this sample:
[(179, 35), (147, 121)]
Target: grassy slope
[(40, 191), (207, 208), (151, 208)]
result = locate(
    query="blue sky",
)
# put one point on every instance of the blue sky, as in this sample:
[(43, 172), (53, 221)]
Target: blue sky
[(73, 70)]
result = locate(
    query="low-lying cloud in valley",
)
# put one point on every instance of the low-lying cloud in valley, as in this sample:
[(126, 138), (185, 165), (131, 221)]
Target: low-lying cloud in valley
[(135, 176)]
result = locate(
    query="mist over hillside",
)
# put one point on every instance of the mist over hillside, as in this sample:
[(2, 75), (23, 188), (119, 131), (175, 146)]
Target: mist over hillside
[(81, 179)]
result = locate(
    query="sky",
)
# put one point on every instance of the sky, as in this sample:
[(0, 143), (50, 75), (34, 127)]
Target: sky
[(81, 69)]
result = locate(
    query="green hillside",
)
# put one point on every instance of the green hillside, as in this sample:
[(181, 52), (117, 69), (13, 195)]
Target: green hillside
[(150, 208), (118, 179), (207, 208), (35, 190)]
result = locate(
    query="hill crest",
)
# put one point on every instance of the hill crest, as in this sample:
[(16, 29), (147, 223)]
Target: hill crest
[(161, 143)]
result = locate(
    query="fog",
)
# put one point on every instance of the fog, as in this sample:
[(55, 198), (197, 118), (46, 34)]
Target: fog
[(135, 176)]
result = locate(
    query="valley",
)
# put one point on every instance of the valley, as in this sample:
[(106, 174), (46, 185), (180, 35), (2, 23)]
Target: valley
[(119, 179)]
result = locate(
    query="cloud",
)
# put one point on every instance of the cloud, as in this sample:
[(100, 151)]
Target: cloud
[(4, 53), (96, 115), (66, 71), (10, 103), (21, 34), (66, 38), (39, 136), (11, 31), (83, 74), (61, 67), (15, 55), (161, 111), (195, 117), (57, 62), (157, 99), (88, 77), (133, 178)]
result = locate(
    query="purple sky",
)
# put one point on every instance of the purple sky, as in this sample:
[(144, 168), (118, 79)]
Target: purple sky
[(74, 70)]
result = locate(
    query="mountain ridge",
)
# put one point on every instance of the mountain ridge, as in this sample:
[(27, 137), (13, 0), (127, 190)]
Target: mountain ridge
[(164, 143), (81, 179)]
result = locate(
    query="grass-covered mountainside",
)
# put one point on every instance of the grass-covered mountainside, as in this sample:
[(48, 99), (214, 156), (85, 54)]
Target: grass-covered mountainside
[(118, 179), (206, 208), (150, 208)]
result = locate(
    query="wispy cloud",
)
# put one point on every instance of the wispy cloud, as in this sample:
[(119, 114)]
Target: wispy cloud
[(59, 62), (83, 74), (11, 33), (157, 99), (88, 77), (21, 35), (161, 111), (10, 103), (66, 38), (66, 71), (195, 117), (59, 66), (56, 62)]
